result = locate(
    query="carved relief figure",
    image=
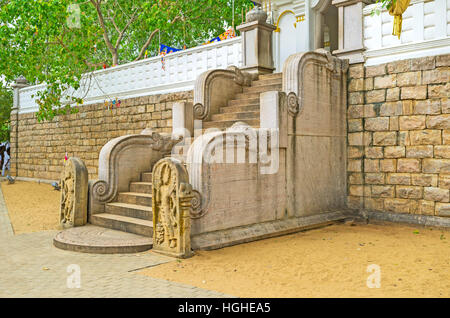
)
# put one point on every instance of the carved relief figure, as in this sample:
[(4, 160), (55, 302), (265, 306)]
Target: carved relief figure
[(159, 239), (67, 196), (74, 188), (172, 203), (166, 198)]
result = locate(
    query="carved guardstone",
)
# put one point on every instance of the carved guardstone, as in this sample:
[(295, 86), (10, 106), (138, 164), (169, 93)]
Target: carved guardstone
[(74, 194), (171, 202)]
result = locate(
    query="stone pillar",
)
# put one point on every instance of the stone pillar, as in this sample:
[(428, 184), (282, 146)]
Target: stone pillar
[(350, 31), (20, 82), (183, 119), (256, 34), (273, 115)]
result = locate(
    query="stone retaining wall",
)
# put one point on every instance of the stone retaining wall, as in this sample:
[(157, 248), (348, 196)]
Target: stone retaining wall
[(399, 136), (40, 147)]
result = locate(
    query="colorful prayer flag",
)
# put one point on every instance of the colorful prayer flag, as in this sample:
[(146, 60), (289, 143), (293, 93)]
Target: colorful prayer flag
[(229, 34), (167, 49), (163, 51)]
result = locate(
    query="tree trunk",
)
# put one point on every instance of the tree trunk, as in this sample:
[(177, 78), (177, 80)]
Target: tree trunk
[(115, 58)]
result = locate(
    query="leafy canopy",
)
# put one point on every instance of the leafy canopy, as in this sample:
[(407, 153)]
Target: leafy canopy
[(56, 41), (385, 4), (6, 101)]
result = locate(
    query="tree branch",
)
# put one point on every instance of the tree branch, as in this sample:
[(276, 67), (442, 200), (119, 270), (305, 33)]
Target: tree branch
[(122, 33), (101, 19), (112, 19), (60, 41), (144, 48), (150, 38)]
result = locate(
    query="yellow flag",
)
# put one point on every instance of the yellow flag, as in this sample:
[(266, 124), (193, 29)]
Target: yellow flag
[(397, 9)]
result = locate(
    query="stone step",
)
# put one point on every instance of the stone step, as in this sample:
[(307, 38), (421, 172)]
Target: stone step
[(100, 240), (243, 102), (137, 211), (146, 176), (270, 76), (262, 88), (141, 187), (243, 96), (239, 109), (275, 81), (236, 116), (123, 223), (136, 198), (228, 123)]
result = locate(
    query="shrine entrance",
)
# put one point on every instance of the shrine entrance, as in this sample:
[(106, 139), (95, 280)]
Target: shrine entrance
[(287, 37), (302, 27)]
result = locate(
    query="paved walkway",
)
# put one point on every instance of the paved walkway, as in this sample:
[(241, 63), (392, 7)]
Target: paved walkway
[(30, 266)]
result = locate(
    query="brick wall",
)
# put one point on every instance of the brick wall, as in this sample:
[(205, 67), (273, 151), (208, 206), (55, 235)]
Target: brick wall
[(40, 147), (399, 136)]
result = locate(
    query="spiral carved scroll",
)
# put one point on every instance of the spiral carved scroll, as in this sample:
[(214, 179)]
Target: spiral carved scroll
[(100, 190), (196, 205), (293, 105), (200, 111)]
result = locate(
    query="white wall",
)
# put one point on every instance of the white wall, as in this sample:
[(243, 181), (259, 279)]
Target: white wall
[(146, 77), (425, 31)]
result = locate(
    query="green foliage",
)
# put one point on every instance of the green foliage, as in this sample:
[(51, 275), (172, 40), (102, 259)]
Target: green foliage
[(6, 103), (46, 42), (385, 4)]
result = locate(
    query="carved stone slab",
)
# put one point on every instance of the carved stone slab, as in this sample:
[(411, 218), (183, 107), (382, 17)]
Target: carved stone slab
[(74, 194), (171, 202)]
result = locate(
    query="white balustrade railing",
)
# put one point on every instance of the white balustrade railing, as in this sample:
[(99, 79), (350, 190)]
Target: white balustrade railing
[(147, 77), (426, 31)]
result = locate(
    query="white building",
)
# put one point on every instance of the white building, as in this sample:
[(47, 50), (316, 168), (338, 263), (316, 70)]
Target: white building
[(350, 30), (302, 25)]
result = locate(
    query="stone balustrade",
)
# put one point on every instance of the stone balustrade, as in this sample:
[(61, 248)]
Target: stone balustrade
[(147, 77), (425, 32)]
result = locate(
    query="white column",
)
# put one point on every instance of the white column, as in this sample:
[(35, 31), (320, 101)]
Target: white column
[(269, 110), (440, 13), (276, 46), (273, 114), (310, 21), (350, 29), (20, 82), (182, 119), (418, 21)]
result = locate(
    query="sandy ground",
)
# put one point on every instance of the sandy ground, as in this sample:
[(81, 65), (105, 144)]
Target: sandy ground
[(32, 207), (327, 262)]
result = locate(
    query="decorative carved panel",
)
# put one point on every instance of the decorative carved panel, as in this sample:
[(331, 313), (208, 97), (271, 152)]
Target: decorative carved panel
[(171, 202), (74, 194)]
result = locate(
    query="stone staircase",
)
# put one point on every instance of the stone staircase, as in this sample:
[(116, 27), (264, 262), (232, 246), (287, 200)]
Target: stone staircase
[(245, 106), (126, 226), (132, 212)]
